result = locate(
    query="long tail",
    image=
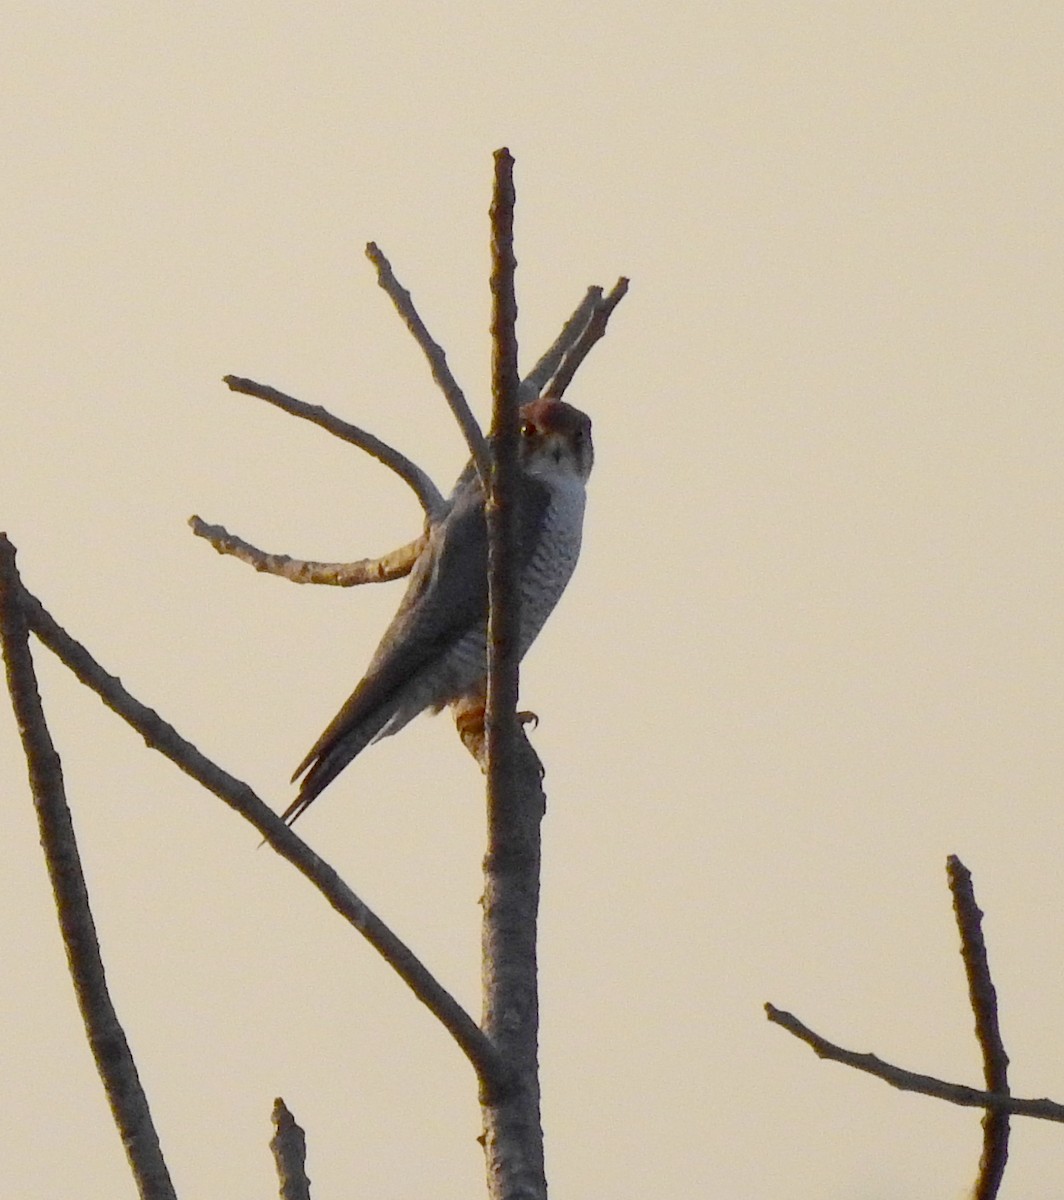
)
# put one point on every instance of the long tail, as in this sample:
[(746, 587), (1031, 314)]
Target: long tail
[(340, 743)]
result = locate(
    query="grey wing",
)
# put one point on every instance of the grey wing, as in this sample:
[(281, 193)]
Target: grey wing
[(447, 595)]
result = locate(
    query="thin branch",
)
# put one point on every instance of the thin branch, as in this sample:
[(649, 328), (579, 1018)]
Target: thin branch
[(983, 998), (436, 356), (289, 1146), (240, 797), (504, 619), (513, 1134), (910, 1081), (536, 380), (583, 328), (393, 565), (592, 333), (107, 1039), (428, 495)]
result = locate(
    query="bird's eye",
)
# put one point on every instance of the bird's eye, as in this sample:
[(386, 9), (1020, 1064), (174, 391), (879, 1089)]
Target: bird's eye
[(528, 430)]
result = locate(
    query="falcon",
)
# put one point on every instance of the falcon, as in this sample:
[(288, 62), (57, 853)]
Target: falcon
[(434, 652)]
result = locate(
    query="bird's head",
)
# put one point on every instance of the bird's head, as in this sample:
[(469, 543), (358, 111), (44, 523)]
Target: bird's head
[(555, 441)]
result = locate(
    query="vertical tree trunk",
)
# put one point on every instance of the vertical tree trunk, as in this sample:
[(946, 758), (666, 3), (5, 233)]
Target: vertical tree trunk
[(513, 1135)]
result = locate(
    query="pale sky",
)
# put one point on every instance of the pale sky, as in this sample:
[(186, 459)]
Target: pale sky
[(813, 646)]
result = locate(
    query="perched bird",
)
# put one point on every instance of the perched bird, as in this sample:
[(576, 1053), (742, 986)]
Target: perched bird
[(434, 652)]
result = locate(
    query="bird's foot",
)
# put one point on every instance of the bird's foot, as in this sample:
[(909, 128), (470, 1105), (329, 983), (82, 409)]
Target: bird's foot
[(469, 721)]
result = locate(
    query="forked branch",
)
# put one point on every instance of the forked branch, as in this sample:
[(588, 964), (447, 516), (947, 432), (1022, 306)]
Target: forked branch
[(553, 371), (504, 1053), (995, 1099), (593, 331), (543, 372), (161, 736)]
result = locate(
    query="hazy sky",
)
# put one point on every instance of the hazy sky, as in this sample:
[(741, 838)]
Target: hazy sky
[(814, 644)]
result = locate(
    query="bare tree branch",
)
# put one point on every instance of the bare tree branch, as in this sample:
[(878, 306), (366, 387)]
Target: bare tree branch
[(487, 1062), (536, 380), (436, 356), (513, 1135), (583, 328), (983, 998), (593, 332), (504, 613), (393, 565), (995, 1100), (107, 1039), (289, 1146), (428, 495), (910, 1081)]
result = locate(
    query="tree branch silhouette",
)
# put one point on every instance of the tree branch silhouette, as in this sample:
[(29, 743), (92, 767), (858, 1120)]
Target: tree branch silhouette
[(996, 1099), (503, 1052), (393, 565), (434, 352), (554, 370), (983, 997), (592, 332), (289, 1146), (550, 361), (106, 1037), (161, 736), (410, 473), (513, 1136), (912, 1081)]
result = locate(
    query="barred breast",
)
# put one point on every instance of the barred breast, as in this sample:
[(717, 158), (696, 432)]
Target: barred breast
[(464, 667)]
